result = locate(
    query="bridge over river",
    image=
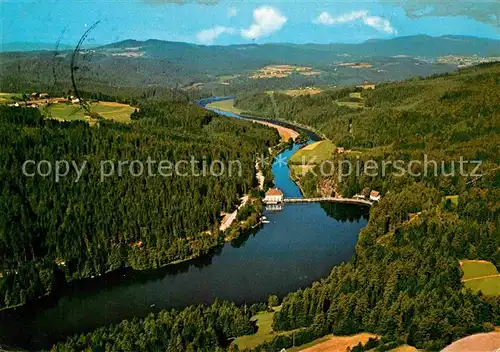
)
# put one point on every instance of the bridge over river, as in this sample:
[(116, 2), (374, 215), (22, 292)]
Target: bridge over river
[(328, 199)]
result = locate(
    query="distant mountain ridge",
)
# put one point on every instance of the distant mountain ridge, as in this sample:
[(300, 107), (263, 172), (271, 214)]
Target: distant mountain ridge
[(423, 46), (156, 63), (35, 46), (416, 46)]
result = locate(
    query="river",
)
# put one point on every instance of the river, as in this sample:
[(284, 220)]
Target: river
[(300, 244)]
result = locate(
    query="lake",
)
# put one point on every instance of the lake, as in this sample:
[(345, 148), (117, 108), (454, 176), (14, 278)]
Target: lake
[(300, 244)]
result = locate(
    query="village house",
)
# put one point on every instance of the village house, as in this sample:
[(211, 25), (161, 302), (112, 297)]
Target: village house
[(273, 196), (366, 85), (375, 196)]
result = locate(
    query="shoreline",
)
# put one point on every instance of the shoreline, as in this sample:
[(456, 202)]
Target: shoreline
[(295, 126)]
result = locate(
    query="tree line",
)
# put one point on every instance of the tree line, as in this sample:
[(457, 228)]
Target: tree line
[(82, 229)]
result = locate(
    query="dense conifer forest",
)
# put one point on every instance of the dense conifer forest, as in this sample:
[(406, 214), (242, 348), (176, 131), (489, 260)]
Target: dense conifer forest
[(55, 231), (404, 282)]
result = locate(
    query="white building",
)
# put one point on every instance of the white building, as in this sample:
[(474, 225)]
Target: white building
[(273, 196)]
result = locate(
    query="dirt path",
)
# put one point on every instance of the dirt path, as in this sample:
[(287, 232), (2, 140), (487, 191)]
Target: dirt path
[(229, 218), (260, 176), (474, 261), (481, 277)]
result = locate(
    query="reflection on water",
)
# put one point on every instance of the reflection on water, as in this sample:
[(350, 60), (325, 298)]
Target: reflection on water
[(345, 212)]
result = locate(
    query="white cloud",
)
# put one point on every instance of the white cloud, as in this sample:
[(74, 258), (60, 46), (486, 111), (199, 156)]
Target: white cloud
[(208, 36), (326, 19), (266, 20), (232, 11), (379, 23)]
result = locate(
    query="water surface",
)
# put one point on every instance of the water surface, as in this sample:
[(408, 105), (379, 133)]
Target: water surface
[(301, 244)]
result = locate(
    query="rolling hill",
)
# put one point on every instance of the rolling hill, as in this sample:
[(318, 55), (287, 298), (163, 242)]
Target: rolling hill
[(156, 63)]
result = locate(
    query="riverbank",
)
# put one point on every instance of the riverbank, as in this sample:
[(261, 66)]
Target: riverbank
[(311, 132), (227, 105), (244, 270)]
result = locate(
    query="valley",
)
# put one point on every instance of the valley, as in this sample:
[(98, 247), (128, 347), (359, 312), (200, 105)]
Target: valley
[(256, 196)]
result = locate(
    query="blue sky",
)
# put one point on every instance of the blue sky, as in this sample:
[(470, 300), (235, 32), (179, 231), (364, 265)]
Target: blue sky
[(231, 22)]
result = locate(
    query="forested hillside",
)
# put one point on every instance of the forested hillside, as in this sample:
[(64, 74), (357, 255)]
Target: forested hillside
[(195, 328), (73, 228), (443, 117), (404, 283), (200, 69), (405, 280)]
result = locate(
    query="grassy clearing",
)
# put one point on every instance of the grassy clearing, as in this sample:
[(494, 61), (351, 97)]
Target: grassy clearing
[(224, 78), (225, 105), (314, 153), (489, 286), (7, 97), (477, 268), (452, 199), (264, 322), (304, 91), (350, 104), (108, 110), (481, 275)]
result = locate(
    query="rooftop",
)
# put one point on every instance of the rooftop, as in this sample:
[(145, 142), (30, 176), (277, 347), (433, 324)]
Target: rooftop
[(274, 192)]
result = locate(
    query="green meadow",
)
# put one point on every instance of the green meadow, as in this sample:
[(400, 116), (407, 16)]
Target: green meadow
[(70, 112), (481, 275), (314, 153)]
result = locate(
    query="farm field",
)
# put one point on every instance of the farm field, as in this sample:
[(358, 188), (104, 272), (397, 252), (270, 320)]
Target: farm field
[(7, 97), (481, 275), (303, 91), (478, 342), (108, 110), (350, 104), (314, 153), (282, 71), (490, 286), (334, 343), (477, 268)]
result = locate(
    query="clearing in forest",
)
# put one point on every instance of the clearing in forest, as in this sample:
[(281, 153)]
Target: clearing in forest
[(265, 332), (108, 110), (314, 153), (481, 275), (225, 105)]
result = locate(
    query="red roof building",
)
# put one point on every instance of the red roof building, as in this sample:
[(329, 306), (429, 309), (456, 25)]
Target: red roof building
[(273, 196)]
